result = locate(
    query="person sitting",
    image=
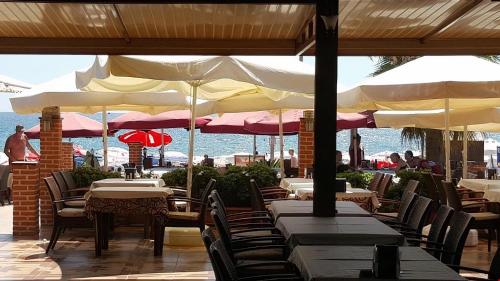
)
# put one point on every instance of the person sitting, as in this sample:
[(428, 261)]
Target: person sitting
[(412, 161), (396, 159), (340, 167), (207, 161), (431, 166)]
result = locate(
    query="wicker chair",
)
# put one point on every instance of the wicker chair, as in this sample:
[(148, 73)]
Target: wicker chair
[(384, 185), (493, 273), (375, 182), (67, 194)]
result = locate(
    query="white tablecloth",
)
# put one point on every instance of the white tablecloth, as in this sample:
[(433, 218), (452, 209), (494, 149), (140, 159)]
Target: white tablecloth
[(337, 231), (293, 184), (332, 263), (128, 192), (479, 184), (120, 182), (492, 195)]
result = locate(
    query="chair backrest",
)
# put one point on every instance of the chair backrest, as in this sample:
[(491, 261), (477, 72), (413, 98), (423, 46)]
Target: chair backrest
[(223, 228), (4, 177), (223, 261), (214, 199), (494, 273), (439, 226), (407, 201), (55, 193), (452, 195), (443, 197), (429, 189), (437, 179), (68, 179), (60, 182), (375, 182), (419, 213), (455, 239), (208, 238), (384, 185), (256, 198), (412, 186), (204, 199)]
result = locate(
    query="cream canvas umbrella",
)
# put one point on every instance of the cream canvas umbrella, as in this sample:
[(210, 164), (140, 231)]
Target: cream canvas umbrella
[(475, 120), (62, 92), (226, 84), (456, 82)]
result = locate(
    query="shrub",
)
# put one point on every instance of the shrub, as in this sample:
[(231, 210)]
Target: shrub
[(357, 179), (202, 175), (177, 177), (396, 191), (84, 176), (262, 174), (234, 188)]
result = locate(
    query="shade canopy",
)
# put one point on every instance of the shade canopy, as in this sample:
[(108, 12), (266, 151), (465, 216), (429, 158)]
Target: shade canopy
[(169, 119), (268, 124), (477, 120), (424, 84), (225, 84), (147, 138), (231, 123), (74, 125), (63, 92), (355, 120)]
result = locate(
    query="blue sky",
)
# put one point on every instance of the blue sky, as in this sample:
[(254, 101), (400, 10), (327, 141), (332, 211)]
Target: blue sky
[(35, 69)]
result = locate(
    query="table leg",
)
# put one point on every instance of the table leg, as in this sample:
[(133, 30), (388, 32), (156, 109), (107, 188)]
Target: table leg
[(105, 230), (159, 233), (98, 224)]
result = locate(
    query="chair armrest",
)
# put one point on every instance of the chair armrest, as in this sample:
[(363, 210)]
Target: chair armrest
[(261, 247), (68, 200), (236, 220), (243, 240), (256, 214)]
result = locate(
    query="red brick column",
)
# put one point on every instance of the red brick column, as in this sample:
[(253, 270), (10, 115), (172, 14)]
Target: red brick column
[(25, 194), (67, 156), (135, 153), (51, 156), (306, 142)]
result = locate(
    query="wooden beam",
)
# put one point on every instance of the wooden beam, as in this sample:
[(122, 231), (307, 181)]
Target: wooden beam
[(325, 104), (307, 37), (468, 6), (138, 46), (126, 36)]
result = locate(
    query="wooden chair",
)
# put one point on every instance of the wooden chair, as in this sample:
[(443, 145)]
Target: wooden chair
[(64, 217), (196, 216), (482, 220), (5, 192)]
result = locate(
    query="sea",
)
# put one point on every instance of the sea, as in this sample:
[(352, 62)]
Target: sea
[(373, 140)]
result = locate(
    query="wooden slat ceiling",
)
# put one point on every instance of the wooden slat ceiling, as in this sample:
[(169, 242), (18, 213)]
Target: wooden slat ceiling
[(367, 27)]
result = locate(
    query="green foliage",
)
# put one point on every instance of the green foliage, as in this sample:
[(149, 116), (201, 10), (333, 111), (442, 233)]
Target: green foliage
[(234, 188), (177, 177), (201, 177), (84, 176), (262, 174), (357, 179)]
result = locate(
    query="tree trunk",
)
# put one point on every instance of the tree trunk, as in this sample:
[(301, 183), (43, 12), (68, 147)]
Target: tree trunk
[(434, 146)]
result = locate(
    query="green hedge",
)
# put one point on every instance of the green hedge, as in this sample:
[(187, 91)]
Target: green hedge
[(84, 176), (233, 185), (357, 179)]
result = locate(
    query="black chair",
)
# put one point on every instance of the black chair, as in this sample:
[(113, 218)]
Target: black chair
[(437, 231), (417, 217), (375, 182), (229, 271), (384, 185), (4, 188), (78, 202), (405, 205), (493, 273), (412, 186), (64, 217), (482, 220), (208, 238), (195, 217), (71, 184), (450, 252)]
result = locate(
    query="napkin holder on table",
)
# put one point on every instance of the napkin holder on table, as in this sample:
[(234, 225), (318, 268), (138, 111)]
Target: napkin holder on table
[(340, 185), (386, 261)]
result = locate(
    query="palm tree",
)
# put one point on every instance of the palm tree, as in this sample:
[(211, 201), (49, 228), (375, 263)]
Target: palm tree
[(424, 138)]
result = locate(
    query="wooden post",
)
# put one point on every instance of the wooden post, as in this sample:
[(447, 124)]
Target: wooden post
[(325, 101)]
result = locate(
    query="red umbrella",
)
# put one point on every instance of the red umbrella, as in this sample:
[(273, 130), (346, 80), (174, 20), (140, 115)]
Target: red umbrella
[(268, 124), (355, 120), (230, 123), (74, 125), (143, 121), (147, 138)]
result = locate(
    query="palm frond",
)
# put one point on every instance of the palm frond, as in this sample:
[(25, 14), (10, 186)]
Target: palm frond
[(495, 59), (386, 63), (411, 136)]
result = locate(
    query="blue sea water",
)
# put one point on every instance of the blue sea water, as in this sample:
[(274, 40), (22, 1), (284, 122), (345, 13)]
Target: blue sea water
[(373, 140)]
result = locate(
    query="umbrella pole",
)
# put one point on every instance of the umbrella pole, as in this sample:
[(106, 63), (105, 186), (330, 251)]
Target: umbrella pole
[(105, 138), (191, 142), (282, 163), (464, 157), (162, 156), (272, 142), (254, 147), (447, 138)]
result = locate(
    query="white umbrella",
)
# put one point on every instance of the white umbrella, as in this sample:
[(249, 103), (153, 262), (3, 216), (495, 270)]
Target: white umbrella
[(456, 82), (227, 84)]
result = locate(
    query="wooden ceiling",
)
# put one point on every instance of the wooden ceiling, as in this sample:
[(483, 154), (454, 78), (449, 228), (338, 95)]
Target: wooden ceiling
[(366, 27)]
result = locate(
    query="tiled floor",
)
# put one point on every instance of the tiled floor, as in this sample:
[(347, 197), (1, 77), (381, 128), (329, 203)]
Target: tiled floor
[(128, 257)]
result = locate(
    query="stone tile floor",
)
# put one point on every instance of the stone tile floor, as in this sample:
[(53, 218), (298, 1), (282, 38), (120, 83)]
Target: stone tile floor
[(128, 257)]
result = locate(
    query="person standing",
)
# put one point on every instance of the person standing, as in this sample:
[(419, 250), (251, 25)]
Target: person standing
[(16, 145), (294, 162), (360, 154)]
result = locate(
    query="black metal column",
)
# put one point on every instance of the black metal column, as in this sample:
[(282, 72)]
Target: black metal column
[(325, 107)]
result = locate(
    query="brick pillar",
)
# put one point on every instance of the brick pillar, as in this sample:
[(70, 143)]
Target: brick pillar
[(306, 142), (67, 156), (135, 153), (51, 156), (25, 194)]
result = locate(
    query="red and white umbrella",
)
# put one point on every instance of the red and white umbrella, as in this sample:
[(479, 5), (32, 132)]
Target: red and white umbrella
[(147, 138)]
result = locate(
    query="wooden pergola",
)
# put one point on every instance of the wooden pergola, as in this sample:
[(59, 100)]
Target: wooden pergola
[(324, 28)]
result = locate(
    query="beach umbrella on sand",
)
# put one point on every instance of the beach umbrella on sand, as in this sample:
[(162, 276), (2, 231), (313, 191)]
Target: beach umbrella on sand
[(147, 138), (427, 83), (74, 125), (227, 84)]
